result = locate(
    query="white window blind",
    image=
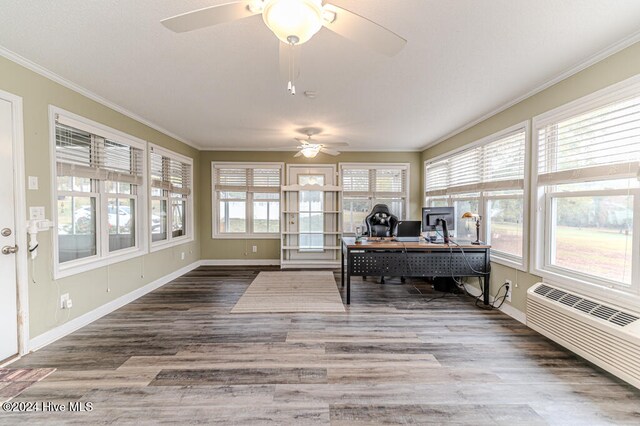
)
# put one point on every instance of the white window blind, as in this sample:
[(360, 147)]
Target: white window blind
[(80, 153), (247, 179), (170, 174), (356, 181), (599, 144), (86, 151), (374, 182), (496, 165)]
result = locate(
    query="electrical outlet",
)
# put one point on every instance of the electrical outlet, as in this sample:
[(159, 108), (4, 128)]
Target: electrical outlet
[(255, 249), (510, 284), (36, 213), (63, 301)]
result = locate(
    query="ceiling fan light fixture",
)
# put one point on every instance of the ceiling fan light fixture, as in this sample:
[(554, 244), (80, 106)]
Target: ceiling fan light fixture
[(310, 151), (299, 18)]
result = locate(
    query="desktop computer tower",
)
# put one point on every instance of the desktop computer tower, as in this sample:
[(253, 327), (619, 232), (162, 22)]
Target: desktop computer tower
[(445, 285)]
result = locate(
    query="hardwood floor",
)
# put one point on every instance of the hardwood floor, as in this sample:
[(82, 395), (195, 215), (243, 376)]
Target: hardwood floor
[(178, 355)]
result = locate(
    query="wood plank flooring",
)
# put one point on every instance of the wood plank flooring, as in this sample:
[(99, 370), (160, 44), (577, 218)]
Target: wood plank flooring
[(177, 355)]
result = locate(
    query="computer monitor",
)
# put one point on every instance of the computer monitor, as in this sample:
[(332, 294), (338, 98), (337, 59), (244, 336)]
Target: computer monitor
[(430, 216)]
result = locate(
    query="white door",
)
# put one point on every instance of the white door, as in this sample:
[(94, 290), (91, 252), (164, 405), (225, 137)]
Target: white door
[(316, 220), (8, 280)]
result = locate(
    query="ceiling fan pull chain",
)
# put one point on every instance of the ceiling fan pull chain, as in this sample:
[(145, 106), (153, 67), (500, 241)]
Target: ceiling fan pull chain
[(291, 87), (292, 60)]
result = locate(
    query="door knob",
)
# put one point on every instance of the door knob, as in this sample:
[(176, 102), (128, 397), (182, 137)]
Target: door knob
[(9, 249)]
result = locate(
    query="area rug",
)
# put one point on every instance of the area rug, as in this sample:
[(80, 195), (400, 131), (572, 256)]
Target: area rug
[(291, 291), (13, 381)]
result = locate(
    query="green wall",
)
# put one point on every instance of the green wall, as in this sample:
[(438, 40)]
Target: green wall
[(270, 249), (87, 290), (615, 68)]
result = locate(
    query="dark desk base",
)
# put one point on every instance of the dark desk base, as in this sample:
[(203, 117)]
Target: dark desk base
[(432, 262)]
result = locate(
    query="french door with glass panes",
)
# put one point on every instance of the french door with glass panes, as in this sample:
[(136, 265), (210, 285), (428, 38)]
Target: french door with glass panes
[(310, 235)]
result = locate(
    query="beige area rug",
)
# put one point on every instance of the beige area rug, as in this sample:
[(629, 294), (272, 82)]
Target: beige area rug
[(13, 381), (291, 291)]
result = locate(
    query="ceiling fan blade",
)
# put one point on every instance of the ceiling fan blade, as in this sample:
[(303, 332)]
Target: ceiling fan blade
[(284, 148), (208, 16), (302, 141), (361, 30), (329, 151), (289, 61), (334, 144), (298, 154)]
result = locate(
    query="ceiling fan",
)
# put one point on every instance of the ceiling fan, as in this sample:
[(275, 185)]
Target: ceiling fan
[(310, 148), (294, 22)]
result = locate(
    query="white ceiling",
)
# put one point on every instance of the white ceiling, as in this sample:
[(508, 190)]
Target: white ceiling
[(219, 87)]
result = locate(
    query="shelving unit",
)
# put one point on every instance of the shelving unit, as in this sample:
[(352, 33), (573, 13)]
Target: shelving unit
[(290, 234)]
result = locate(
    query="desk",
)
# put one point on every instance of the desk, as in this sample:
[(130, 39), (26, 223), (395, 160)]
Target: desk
[(421, 259)]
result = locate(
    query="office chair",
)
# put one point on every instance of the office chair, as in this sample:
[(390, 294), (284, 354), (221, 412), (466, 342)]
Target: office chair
[(381, 223)]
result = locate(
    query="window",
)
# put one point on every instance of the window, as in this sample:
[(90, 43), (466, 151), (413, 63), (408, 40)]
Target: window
[(587, 191), (171, 177), (311, 216), (365, 185), (99, 194), (246, 200), (487, 178)]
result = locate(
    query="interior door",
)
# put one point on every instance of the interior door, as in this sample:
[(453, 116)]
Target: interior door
[(8, 278)]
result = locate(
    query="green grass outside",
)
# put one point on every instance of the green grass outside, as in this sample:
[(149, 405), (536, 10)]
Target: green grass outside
[(601, 252)]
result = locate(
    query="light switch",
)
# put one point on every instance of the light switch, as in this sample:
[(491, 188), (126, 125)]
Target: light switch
[(33, 182), (36, 213)]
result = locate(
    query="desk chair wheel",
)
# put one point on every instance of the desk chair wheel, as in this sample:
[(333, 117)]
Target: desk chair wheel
[(403, 280), (382, 280)]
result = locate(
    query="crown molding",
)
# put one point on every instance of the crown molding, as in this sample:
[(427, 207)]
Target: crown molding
[(20, 60), (591, 60), (262, 149)]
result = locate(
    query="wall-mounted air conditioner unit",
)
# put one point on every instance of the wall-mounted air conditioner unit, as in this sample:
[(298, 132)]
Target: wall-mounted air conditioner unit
[(598, 331)]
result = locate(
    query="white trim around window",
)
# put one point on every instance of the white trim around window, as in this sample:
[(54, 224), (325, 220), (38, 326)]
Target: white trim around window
[(186, 190), (103, 256), (241, 184), (484, 198), (372, 194), (592, 181)]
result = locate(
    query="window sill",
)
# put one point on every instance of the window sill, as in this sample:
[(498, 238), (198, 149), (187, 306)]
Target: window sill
[(161, 245), (80, 266), (241, 236), (511, 262)]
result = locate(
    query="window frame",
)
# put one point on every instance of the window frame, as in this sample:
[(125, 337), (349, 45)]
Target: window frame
[(248, 200), (103, 256), (369, 166), (118, 196), (503, 258), (190, 226), (541, 196)]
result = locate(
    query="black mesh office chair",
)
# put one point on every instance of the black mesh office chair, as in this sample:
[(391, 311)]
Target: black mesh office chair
[(381, 223)]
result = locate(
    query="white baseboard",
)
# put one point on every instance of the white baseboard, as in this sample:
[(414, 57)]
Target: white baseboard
[(77, 323), (240, 262), (506, 307), (514, 313), (312, 266)]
